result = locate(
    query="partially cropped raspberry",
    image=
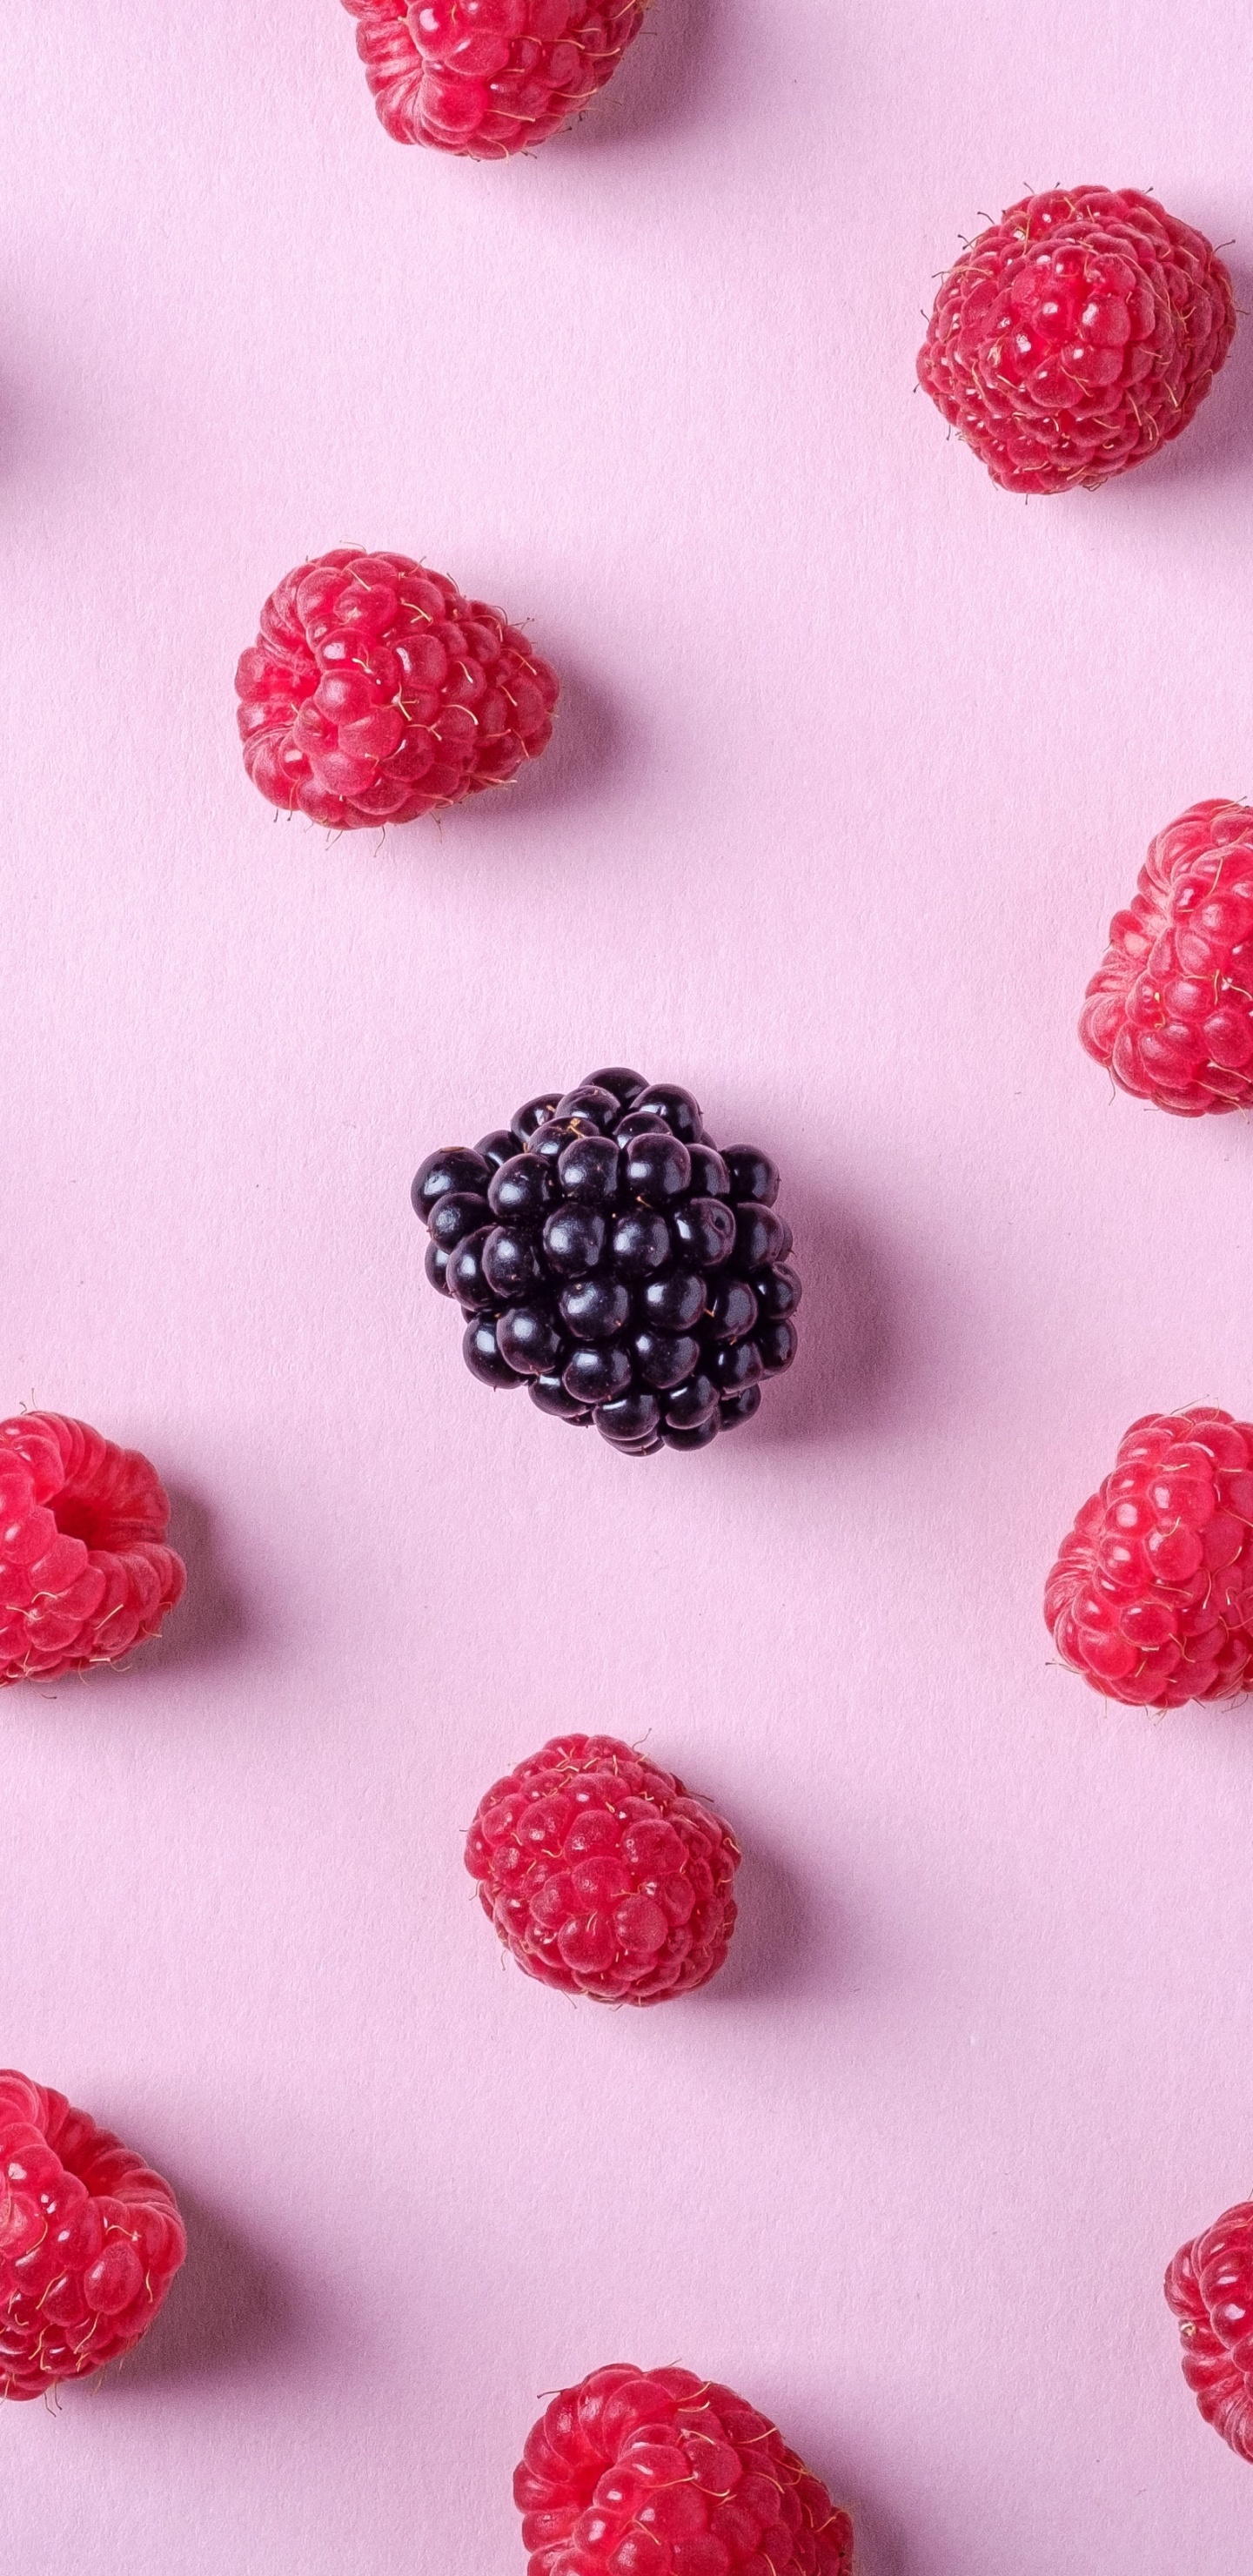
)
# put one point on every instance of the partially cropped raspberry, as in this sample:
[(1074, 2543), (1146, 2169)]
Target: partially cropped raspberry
[(376, 693), (1210, 2287), (1170, 1008), (659, 2473), (90, 2241), (489, 77), (1151, 1598), (84, 1570), (606, 1254), (1076, 336), (603, 1875)]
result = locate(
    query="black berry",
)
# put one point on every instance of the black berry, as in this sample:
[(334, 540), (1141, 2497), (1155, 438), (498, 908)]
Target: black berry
[(597, 1372), (511, 1261), (588, 1169), (595, 1309), (483, 1356), (672, 1108), (703, 1232), (752, 1175), (455, 1169), (456, 1213), (657, 1168), (532, 1114), (465, 1276), (522, 1190), (605, 1253), (574, 1240), (640, 1243), (618, 1078), (590, 1106), (528, 1338), (673, 1302), (498, 1147)]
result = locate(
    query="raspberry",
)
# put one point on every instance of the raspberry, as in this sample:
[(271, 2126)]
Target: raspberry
[(489, 77), (659, 2473), (603, 1875), (1170, 1008), (1076, 336), (375, 693), (84, 1571), (90, 2241), (602, 1249), (1151, 1598), (1210, 2288)]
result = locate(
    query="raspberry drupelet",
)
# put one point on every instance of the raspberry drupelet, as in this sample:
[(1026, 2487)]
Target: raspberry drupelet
[(1074, 338), (1151, 1598), (85, 1573), (1169, 1010), (659, 2473), (375, 693), (488, 77), (90, 2240), (1209, 2286), (603, 1875), (603, 1251)]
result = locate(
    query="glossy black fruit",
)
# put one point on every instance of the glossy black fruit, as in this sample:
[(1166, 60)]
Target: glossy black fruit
[(605, 1253), (483, 1356), (528, 1338), (752, 1175), (457, 1168), (498, 1147), (630, 1418), (455, 1213), (522, 1191), (595, 1309)]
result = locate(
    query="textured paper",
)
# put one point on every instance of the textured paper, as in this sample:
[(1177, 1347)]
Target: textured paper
[(858, 757)]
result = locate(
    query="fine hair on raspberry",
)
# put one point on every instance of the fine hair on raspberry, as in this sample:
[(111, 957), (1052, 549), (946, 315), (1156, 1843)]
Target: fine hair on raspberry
[(1151, 1597), (85, 1569), (659, 2473), (90, 2240), (607, 1255), (603, 1875), (1169, 1011), (489, 77), (1077, 336), (375, 693), (1209, 2288)]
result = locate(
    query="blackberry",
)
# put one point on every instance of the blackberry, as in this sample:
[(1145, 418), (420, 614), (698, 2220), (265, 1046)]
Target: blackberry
[(605, 1253)]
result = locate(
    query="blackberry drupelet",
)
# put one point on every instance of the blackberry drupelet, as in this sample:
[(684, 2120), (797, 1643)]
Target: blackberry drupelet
[(616, 1262)]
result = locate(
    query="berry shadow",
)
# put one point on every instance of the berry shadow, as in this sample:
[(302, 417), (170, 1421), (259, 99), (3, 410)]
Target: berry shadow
[(230, 2311), (851, 1327), (1218, 443), (659, 82), (792, 1936), (879, 2543), (782, 1934), (210, 1623), (590, 748)]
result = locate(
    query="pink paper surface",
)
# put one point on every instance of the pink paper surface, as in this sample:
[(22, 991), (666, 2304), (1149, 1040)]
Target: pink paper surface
[(857, 758)]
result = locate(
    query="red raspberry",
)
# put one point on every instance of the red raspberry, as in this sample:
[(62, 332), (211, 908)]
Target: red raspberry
[(1151, 1598), (602, 1875), (375, 693), (659, 2473), (90, 2241), (489, 77), (1210, 2287), (1170, 1008), (84, 1571), (1077, 335)]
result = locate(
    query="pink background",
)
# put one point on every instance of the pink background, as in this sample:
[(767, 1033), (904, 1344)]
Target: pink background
[(858, 756)]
